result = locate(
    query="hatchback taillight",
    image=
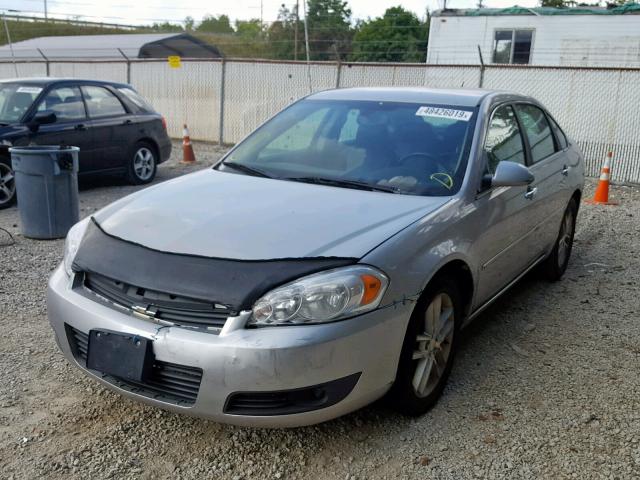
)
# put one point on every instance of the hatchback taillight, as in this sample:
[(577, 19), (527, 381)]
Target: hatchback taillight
[(164, 123)]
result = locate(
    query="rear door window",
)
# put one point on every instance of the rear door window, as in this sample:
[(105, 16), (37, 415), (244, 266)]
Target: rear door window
[(101, 102), (65, 102), (538, 131), (504, 140)]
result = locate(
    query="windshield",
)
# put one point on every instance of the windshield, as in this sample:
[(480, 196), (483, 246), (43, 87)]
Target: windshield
[(15, 100), (418, 149)]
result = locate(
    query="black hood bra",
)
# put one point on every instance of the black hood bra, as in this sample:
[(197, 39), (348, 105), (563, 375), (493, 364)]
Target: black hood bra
[(236, 284)]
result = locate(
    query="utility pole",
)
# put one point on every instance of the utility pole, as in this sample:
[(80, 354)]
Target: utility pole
[(306, 45), (295, 34), (45, 11), (261, 17), (13, 57)]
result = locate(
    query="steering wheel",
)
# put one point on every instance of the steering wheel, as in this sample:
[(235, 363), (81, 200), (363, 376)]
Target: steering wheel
[(428, 156)]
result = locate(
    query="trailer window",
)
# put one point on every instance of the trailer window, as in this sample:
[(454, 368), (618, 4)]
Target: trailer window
[(512, 46)]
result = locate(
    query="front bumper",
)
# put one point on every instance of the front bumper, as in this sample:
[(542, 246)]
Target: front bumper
[(247, 360)]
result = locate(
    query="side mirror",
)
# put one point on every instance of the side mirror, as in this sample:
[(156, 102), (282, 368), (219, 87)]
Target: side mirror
[(41, 118), (511, 174)]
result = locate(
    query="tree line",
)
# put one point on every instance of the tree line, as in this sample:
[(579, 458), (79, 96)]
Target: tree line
[(399, 35)]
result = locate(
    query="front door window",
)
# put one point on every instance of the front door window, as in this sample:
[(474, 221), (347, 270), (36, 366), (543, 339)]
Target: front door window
[(65, 102)]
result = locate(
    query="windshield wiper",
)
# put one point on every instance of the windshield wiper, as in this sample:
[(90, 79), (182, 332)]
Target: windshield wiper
[(245, 169), (335, 182)]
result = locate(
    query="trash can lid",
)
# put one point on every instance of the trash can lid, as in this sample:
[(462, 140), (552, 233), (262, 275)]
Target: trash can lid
[(43, 149)]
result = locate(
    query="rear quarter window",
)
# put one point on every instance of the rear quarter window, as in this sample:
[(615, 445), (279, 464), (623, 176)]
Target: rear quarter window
[(562, 138), (135, 98)]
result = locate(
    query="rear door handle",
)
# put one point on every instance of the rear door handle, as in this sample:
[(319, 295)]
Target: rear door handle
[(80, 126), (531, 192), (127, 122), (565, 170)]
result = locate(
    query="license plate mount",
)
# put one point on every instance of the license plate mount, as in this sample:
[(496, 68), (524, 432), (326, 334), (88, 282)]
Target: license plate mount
[(122, 355)]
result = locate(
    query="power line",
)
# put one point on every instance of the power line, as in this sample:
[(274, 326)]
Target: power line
[(167, 20), (155, 7)]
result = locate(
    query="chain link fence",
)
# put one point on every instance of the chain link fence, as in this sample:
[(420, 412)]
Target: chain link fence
[(224, 100)]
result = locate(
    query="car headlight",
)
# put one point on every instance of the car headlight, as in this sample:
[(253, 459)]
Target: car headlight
[(322, 297), (72, 243)]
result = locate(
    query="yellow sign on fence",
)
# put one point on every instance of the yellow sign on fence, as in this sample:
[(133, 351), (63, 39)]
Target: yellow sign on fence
[(174, 61)]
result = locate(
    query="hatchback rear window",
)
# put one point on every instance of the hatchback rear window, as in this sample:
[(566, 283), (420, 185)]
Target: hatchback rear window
[(419, 149)]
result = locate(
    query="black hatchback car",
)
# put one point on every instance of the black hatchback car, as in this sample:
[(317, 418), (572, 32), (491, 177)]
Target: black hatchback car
[(117, 131)]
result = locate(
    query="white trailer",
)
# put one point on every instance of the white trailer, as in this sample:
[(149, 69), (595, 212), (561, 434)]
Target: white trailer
[(591, 37)]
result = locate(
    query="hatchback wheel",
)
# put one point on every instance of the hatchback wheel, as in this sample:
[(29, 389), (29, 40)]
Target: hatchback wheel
[(428, 349), (556, 263), (7, 186), (142, 164)]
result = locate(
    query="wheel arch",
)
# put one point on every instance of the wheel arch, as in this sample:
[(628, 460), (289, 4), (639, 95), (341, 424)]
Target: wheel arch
[(5, 162), (153, 144), (5, 156), (577, 196), (460, 271)]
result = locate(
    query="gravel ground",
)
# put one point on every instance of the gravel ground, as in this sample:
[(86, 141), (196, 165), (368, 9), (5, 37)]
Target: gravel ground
[(546, 384)]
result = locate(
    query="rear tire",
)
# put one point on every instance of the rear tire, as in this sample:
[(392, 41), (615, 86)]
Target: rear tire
[(428, 350), (556, 263), (142, 164), (7, 184)]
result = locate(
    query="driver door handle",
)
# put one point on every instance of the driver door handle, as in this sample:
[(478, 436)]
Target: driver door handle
[(565, 170), (531, 192), (80, 126)]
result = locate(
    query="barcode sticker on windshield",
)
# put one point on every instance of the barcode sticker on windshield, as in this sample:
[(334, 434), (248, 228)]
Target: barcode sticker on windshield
[(449, 113), (35, 90)]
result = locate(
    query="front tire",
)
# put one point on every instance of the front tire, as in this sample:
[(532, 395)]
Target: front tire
[(7, 185), (142, 164), (428, 350), (556, 263)]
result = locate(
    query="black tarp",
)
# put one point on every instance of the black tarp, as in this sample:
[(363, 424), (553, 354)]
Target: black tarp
[(183, 45)]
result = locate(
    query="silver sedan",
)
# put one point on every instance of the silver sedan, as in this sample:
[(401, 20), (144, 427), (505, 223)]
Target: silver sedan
[(329, 259)]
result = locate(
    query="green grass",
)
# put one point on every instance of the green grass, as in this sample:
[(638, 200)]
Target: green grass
[(24, 30), (229, 45)]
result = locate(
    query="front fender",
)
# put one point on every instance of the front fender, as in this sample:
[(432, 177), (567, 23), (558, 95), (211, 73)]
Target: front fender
[(414, 256)]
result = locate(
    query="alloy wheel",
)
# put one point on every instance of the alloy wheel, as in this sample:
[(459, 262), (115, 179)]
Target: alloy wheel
[(433, 345), (144, 163), (7, 184)]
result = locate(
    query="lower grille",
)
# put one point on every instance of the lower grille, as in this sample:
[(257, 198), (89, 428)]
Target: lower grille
[(287, 402), (177, 384), (164, 307)]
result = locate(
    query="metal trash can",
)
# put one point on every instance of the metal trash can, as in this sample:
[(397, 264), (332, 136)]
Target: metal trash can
[(47, 189)]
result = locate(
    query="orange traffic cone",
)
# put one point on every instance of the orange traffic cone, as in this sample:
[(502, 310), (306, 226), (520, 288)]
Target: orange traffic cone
[(602, 191), (187, 150)]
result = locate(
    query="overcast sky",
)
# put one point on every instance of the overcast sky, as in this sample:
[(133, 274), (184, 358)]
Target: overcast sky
[(149, 11)]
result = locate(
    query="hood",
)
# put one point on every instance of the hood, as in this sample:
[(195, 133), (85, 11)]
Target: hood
[(226, 215), (10, 133)]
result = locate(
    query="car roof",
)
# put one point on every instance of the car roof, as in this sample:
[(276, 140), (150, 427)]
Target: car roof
[(44, 81), (464, 97)]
